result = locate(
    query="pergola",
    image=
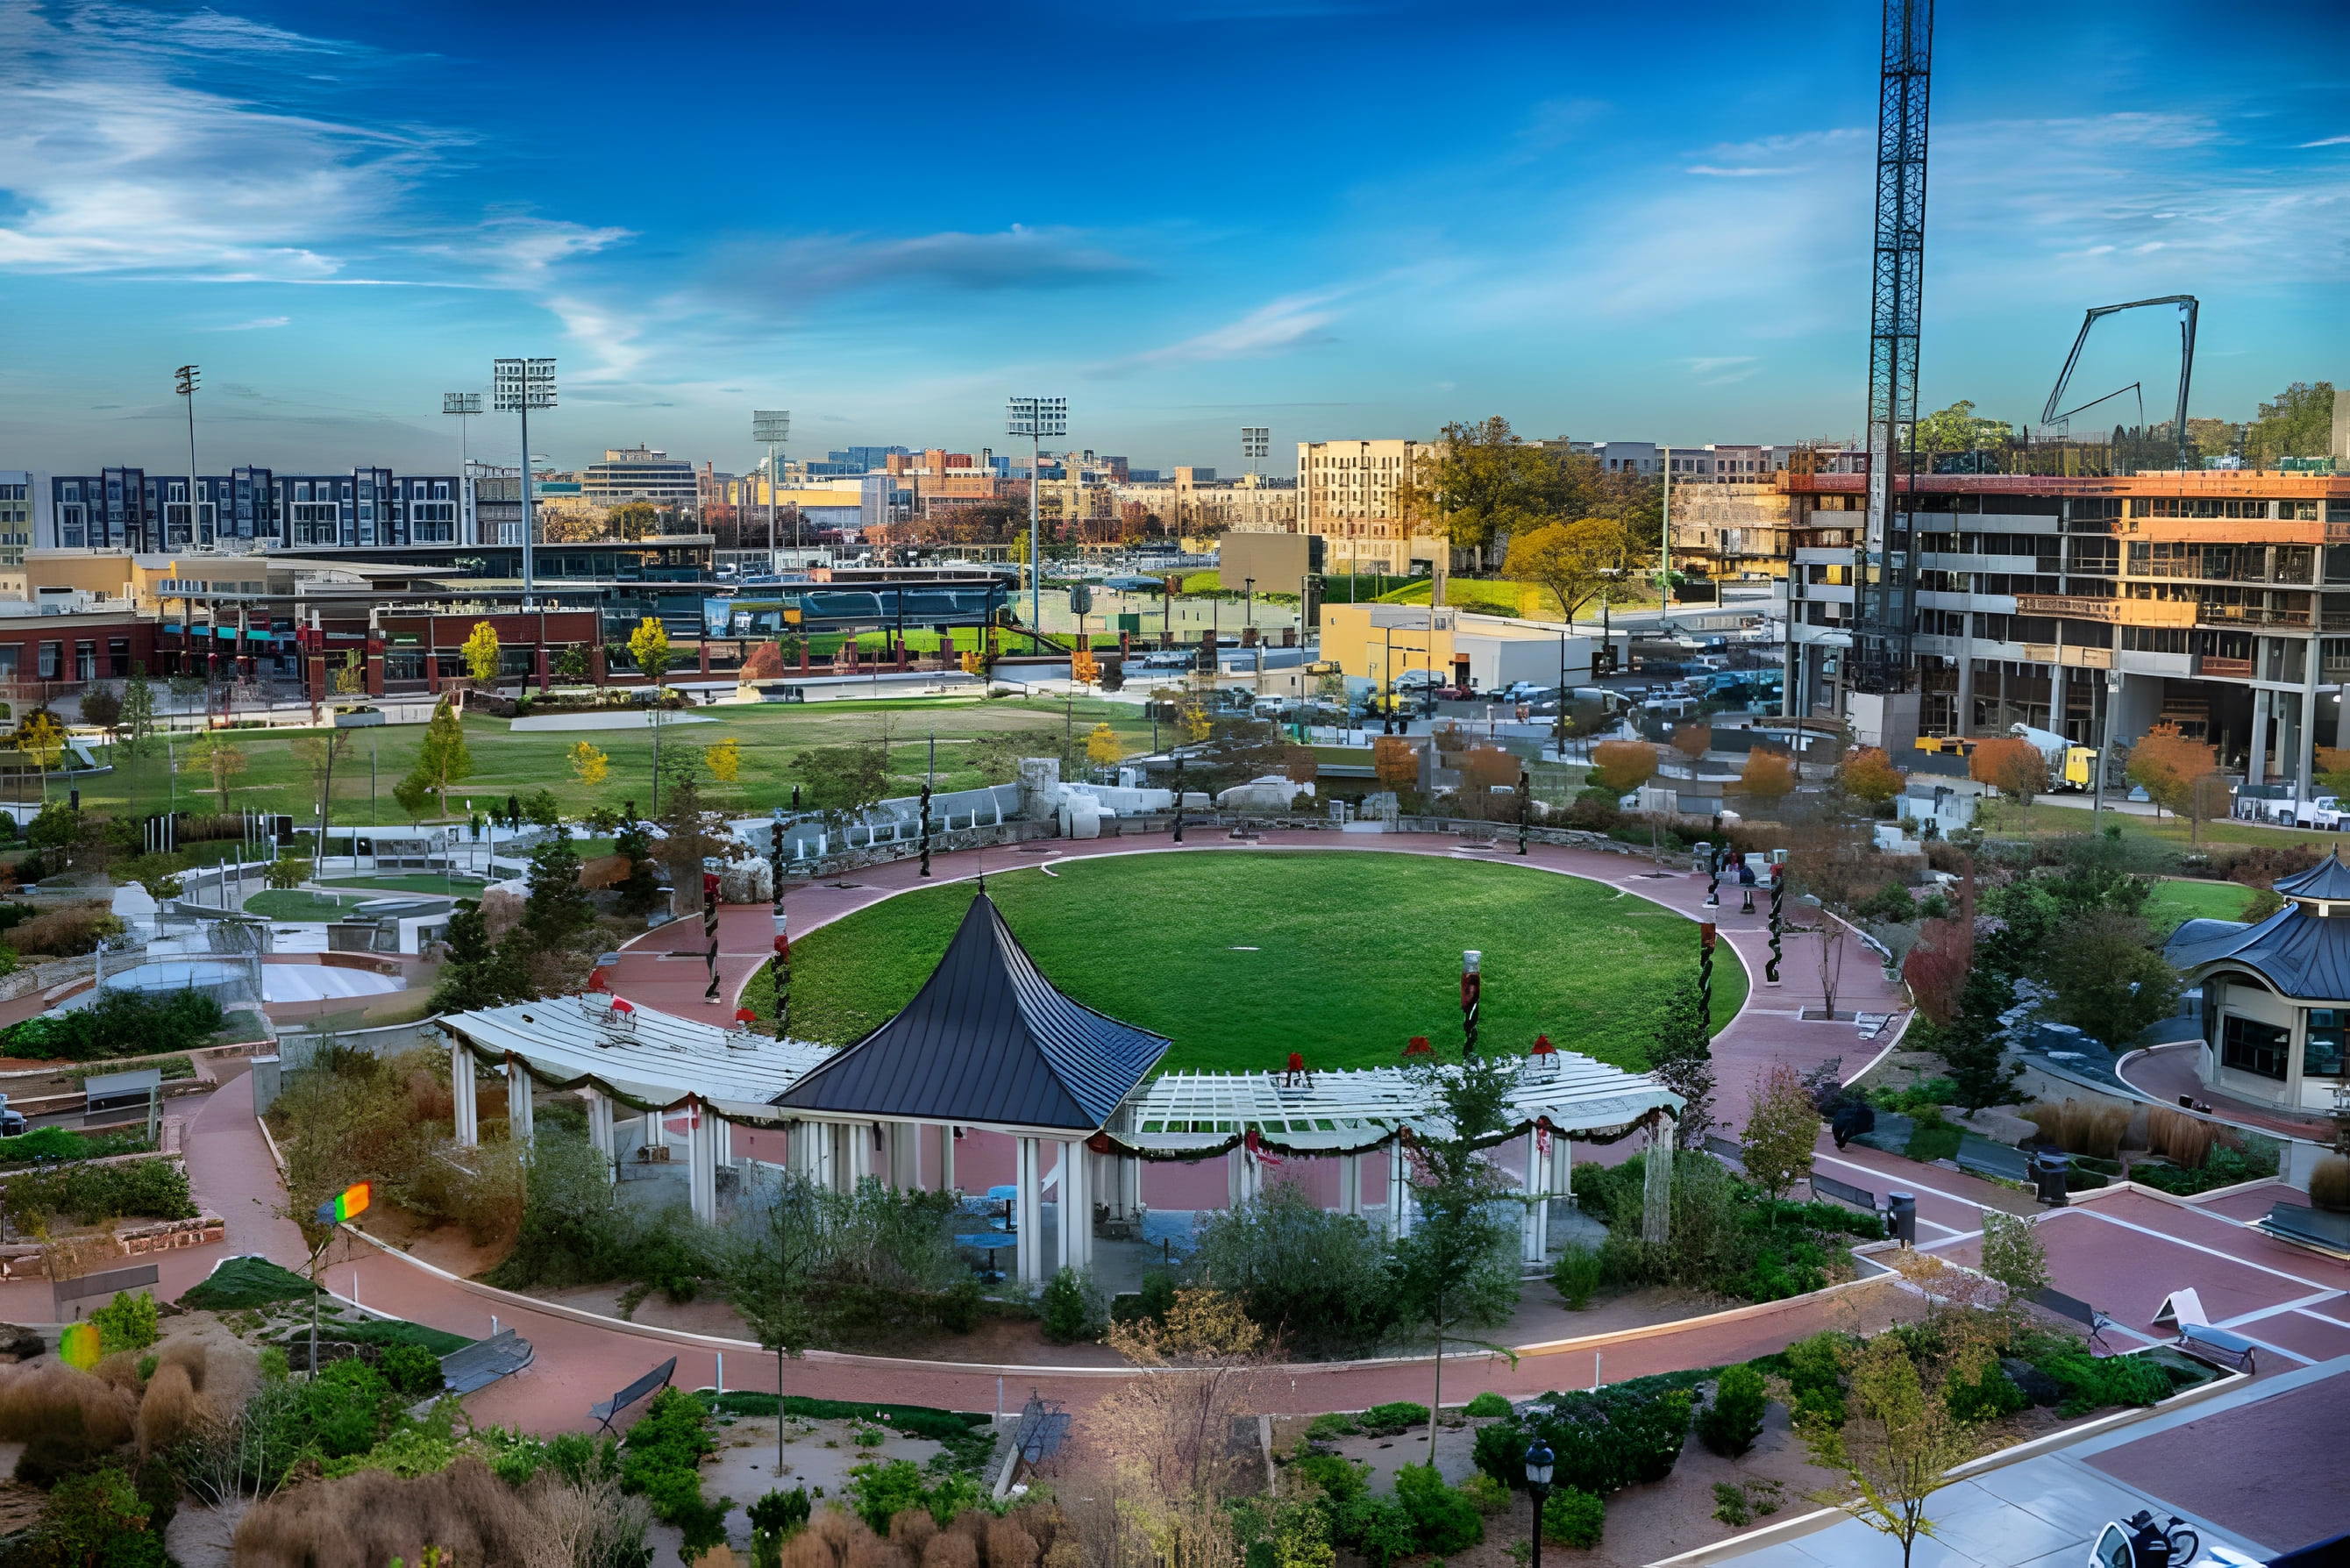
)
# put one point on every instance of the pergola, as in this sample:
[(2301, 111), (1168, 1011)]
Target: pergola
[(990, 1045)]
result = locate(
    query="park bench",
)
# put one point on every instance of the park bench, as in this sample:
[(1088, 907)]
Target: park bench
[(2308, 1227), (1980, 1155), (2183, 1309), (2079, 1312), (484, 1361), (642, 1388), (1842, 1192)]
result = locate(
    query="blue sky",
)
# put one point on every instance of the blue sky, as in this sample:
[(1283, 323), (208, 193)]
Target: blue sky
[(1334, 217)]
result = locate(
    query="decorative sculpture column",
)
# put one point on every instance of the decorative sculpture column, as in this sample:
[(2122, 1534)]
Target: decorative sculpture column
[(464, 1094), (519, 1121), (1077, 1247), (1029, 1214)]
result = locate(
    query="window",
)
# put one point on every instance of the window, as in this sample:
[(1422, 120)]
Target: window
[(118, 657), (52, 659), (85, 661), (2249, 1045), (2321, 1049)]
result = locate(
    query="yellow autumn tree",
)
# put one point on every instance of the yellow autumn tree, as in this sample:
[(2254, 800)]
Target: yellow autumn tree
[(481, 651), (1103, 748), (589, 765), (724, 760)]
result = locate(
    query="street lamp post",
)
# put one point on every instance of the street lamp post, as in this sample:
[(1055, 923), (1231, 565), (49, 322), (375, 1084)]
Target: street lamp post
[(1036, 418), (516, 387), (774, 428), (1539, 1462)]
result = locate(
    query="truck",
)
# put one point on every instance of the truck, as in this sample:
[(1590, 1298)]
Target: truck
[(2273, 804), (2070, 767)]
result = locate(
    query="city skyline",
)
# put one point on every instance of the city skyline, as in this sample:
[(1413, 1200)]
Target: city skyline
[(1566, 220)]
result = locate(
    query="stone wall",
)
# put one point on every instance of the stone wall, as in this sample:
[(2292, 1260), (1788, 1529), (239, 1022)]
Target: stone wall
[(23, 1259)]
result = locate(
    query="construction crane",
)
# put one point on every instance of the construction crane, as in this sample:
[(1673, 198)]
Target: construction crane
[(1888, 585), (2186, 309)]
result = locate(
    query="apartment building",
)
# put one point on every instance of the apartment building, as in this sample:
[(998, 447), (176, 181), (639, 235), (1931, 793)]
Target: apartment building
[(2095, 608), (1348, 492), (1195, 501), (130, 509), (16, 492), (1730, 530)]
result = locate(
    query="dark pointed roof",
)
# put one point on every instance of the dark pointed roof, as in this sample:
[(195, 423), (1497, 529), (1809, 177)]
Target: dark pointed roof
[(986, 1040), (2302, 955), (2329, 878)]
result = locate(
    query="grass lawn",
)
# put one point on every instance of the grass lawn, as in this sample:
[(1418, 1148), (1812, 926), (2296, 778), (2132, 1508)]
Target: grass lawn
[(294, 904), (2180, 899), (2006, 819), (505, 763), (1350, 955), (413, 882)]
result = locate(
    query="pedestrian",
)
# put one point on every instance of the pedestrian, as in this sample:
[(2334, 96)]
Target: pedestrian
[(1745, 886)]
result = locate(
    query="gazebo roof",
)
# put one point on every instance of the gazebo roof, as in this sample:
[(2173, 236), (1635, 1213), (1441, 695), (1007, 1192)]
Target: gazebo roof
[(2302, 954), (987, 1041), (2329, 878)]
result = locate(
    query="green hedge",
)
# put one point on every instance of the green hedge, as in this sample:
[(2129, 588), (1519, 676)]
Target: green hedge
[(93, 1194), (56, 1145), (243, 1283)]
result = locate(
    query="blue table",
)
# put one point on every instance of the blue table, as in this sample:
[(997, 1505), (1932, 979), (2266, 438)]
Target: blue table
[(989, 1242)]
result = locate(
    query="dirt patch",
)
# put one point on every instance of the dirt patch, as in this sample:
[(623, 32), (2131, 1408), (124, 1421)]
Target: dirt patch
[(442, 1246)]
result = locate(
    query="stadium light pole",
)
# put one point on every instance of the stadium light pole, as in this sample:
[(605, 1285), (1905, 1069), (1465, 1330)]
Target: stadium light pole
[(185, 382), (773, 428), (465, 406), (1036, 418), (1256, 444), (516, 387)]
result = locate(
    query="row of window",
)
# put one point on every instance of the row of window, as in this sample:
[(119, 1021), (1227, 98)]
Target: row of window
[(50, 660), (2264, 1049), (2289, 511)]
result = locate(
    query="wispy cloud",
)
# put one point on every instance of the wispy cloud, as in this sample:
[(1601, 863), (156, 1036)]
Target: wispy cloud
[(2326, 142), (1748, 171), (1295, 321), (789, 273), (1723, 369), (258, 324)]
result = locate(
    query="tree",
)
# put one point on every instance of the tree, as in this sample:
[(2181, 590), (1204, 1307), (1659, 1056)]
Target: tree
[(648, 646), (557, 911), (1956, 429), (318, 755), (1166, 1438), (1973, 1044), (844, 782), (477, 972), (223, 759), (1898, 1441), (289, 872), (1768, 776), (2013, 1255), (350, 676), (160, 875), (1867, 774), (1782, 1126), (1483, 483), (1692, 741), (481, 651), (1575, 563), (572, 663), (1619, 767), (690, 839), (1680, 1057), (103, 709), (2012, 765), (136, 722), (638, 893), (1458, 1268), (771, 1268), (541, 810), (2106, 979), (442, 760), (589, 765), (2298, 423), (413, 793), (2166, 763), (724, 760), (1103, 748), (1395, 763), (41, 739)]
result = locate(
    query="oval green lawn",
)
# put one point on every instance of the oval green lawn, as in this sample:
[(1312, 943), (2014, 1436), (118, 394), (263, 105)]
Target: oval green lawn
[(1354, 953)]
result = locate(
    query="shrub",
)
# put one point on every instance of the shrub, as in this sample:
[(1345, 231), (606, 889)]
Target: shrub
[(1730, 1424), (1573, 1517), (1314, 1280), (1340, 1478), (2329, 1184), (1485, 1494), (68, 932), (1382, 1530), (412, 1369), (1486, 1404), (55, 1146), (1576, 1275), (127, 1323), (1815, 1376), (1499, 1451), (118, 1023), (1443, 1519), (1072, 1308), (1613, 1438), (91, 1194), (2092, 1383), (1988, 1395), (1386, 1420), (660, 1461)]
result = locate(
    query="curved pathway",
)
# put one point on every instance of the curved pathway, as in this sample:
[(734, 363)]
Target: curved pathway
[(581, 1362)]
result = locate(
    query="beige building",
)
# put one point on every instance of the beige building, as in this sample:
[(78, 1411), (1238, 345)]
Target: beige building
[(1386, 644), (1731, 529), (1348, 492), (1195, 503)]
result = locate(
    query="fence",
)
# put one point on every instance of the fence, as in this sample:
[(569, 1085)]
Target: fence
[(296, 1052)]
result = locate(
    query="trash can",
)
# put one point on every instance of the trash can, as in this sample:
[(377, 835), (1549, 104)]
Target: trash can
[(2050, 1167)]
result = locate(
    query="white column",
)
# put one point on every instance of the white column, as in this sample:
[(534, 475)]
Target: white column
[(2256, 760), (654, 1133), (1076, 1207), (701, 1162), (1351, 1185), (518, 1106), (464, 1093), (1029, 1209), (1399, 1191), (1533, 1230), (859, 1137), (1130, 1181), (599, 1128), (1562, 1165), (1235, 1180), (725, 1146), (946, 1158)]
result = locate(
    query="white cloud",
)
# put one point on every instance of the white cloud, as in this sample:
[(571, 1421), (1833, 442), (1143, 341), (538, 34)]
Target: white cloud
[(1723, 369), (2324, 142), (258, 324), (1746, 172), (1295, 321)]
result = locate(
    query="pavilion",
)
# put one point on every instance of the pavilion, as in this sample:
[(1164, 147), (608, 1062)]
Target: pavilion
[(989, 1046), (2276, 994)]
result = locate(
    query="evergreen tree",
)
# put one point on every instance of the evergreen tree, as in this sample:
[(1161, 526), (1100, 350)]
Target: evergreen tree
[(558, 909), (1680, 1057), (1974, 1046), (477, 972), (639, 890)]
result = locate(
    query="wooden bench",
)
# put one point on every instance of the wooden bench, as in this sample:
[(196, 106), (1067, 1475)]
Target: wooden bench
[(484, 1361), (642, 1388), (2317, 1228)]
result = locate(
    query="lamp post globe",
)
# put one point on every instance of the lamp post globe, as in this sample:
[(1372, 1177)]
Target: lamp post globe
[(1539, 1460)]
